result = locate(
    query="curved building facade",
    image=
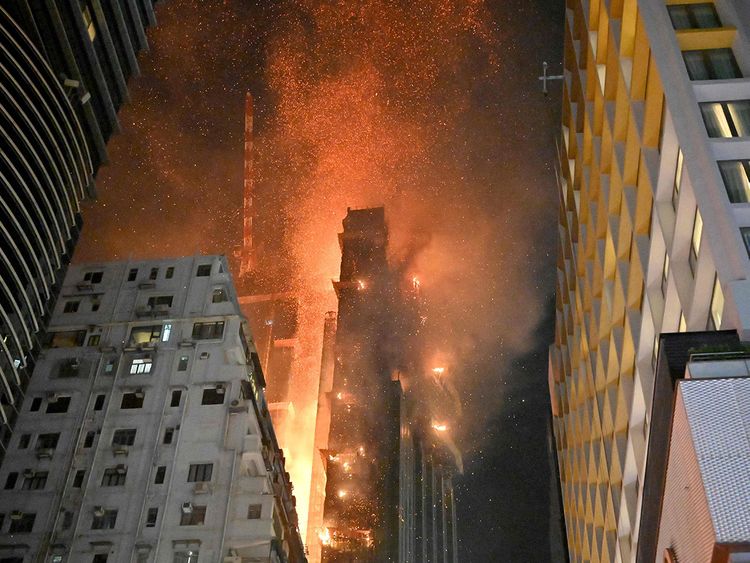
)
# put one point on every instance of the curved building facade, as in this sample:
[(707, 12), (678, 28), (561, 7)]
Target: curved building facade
[(45, 171)]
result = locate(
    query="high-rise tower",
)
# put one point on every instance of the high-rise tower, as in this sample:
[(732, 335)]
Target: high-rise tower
[(654, 234)]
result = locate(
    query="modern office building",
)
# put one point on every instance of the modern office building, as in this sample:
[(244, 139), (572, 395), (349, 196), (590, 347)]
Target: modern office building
[(145, 434), (388, 470), (654, 234), (63, 71)]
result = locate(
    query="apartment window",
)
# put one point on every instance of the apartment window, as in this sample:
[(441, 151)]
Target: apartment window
[(153, 274), (67, 521), (727, 119), (203, 270), (124, 437), (141, 366), (695, 241), (176, 396), (78, 479), (100, 558), (88, 441), (58, 406), (170, 273), (186, 556), (160, 301), (23, 441), (677, 179), (711, 64), (132, 274), (104, 520), (151, 516), (93, 277), (145, 334), (99, 402), (717, 306), (736, 176), (254, 511), (161, 472), (47, 441), (95, 305), (200, 472), (207, 331), (22, 525), (36, 404), (213, 395), (219, 295), (694, 16), (109, 367), (36, 481), (71, 306), (67, 338), (166, 333), (132, 400), (193, 516), (182, 365), (10, 480), (93, 340), (114, 476), (168, 435)]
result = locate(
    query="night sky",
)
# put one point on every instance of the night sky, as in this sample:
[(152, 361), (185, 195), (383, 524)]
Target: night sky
[(430, 107)]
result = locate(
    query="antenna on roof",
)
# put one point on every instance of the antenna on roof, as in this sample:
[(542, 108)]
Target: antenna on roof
[(546, 77)]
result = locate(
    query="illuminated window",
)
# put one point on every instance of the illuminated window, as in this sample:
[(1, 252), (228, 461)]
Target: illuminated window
[(717, 306), (695, 241), (727, 119), (185, 557), (145, 334), (94, 340), (88, 21), (166, 333), (141, 366), (736, 176), (694, 16), (711, 64)]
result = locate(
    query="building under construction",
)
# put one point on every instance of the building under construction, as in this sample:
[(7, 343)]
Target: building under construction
[(389, 494)]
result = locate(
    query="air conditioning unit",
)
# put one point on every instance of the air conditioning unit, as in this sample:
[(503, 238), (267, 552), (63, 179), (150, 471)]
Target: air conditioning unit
[(202, 488), (28, 473), (42, 453), (98, 511), (16, 515), (139, 393), (119, 449), (121, 469), (75, 363), (187, 507), (220, 389)]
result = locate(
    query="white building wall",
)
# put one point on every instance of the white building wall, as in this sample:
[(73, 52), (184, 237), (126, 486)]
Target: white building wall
[(226, 435)]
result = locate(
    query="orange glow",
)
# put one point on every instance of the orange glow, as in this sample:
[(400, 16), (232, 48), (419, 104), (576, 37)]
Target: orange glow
[(439, 426), (342, 493), (438, 371), (347, 467), (415, 282), (325, 536), (362, 285)]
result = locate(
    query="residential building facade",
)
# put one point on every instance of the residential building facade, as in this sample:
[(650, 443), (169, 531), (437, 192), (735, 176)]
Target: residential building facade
[(145, 434), (654, 234), (64, 71)]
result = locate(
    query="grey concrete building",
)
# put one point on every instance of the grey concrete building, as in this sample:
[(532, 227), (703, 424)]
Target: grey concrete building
[(145, 434)]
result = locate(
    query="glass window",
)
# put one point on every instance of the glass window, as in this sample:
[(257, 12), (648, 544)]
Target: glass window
[(99, 402), (203, 270), (254, 511), (219, 295), (193, 515), (153, 274), (160, 301), (36, 404), (190, 556), (132, 274), (161, 472), (47, 441), (71, 307), (88, 440), (10, 480), (22, 525), (200, 472), (132, 400), (665, 274), (736, 176), (170, 273), (694, 16), (166, 333), (114, 476), (35, 481), (78, 479), (695, 241), (176, 396), (168, 435), (141, 366), (58, 406), (67, 339), (104, 520), (94, 340), (151, 517), (711, 64), (23, 441), (207, 331), (183, 363), (213, 395), (727, 119), (145, 334), (677, 179), (124, 437)]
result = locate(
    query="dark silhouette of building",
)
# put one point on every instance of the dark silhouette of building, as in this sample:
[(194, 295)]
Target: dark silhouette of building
[(63, 72)]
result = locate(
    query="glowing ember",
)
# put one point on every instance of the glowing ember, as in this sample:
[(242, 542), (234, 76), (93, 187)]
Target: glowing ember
[(415, 282), (347, 466), (440, 427), (342, 493), (361, 450), (339, 396), (325, 536), (362, 285), (438, 371)]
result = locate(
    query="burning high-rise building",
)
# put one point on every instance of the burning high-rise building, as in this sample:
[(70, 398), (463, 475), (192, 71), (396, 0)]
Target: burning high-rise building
[(389, 495)]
